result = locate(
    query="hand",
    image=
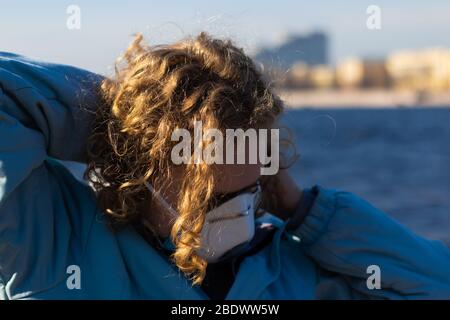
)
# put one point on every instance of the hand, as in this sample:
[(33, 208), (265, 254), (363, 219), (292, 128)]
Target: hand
[(288, 195)]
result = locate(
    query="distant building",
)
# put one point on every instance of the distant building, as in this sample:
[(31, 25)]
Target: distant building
[(358, 73), (423, 70), (297, 77), (375, 74), (349, 73), (300, 76), (322, 77), (310, 49)]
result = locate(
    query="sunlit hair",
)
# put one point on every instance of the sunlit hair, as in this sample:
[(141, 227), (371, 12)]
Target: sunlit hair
[(157, 89)]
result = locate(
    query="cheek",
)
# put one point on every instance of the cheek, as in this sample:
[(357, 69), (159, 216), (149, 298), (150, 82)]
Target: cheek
[(232, 177)]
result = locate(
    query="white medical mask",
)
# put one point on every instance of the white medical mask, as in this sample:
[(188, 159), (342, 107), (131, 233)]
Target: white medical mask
[(227, 226)]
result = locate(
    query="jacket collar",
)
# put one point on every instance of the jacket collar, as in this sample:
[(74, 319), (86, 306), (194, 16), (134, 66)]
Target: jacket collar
[(250, 284)]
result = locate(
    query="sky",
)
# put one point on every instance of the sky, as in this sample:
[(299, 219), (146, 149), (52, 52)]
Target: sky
[(39, 28)]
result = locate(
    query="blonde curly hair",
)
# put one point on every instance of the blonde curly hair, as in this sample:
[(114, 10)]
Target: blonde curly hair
[(157, 89)]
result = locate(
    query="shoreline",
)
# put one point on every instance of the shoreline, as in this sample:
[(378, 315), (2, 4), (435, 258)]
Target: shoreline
[(361, 99)]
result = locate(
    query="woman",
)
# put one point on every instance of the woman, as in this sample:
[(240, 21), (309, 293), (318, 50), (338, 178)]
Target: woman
[(148, 227)]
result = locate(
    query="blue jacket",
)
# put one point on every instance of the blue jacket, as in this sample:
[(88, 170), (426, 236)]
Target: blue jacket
[(51, 228)]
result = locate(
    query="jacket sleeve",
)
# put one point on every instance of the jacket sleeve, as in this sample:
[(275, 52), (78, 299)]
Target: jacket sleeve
[(345, 234), (45, 110)]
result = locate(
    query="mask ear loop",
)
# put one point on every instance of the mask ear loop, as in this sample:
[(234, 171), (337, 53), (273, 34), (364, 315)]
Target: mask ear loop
[(161, 199), (258, 198)]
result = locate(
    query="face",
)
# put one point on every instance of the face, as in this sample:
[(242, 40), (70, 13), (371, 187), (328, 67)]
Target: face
[(233, 177), (229, 178)]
